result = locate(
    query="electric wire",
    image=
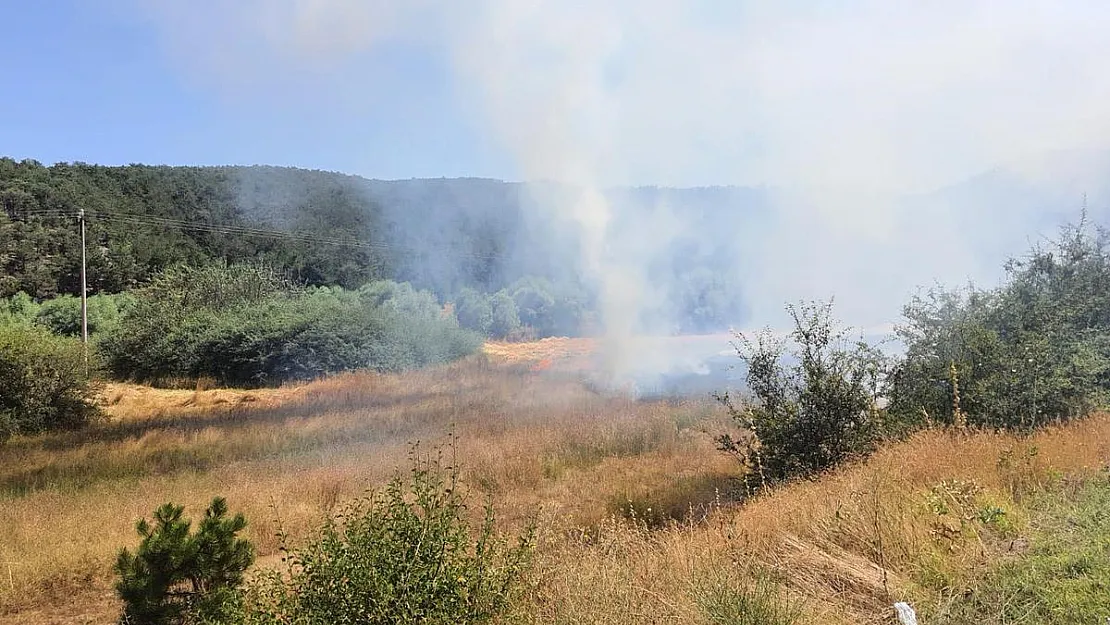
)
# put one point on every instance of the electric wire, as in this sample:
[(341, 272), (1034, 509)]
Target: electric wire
[(235, 229)]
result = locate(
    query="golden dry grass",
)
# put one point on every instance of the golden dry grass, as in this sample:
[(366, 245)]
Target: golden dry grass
[(542, 445), (847, 545), (68, 501), (122, 400), (567, 354)]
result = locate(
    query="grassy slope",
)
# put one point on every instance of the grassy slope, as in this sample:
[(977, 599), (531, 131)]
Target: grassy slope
[(915, 522), (69, 501), (1061, 576)]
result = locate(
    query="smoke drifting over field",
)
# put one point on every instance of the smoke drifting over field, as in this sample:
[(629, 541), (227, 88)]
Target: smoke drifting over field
[(853, 114)]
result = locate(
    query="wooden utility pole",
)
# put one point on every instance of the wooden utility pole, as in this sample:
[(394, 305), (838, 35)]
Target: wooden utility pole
[(84, 293)]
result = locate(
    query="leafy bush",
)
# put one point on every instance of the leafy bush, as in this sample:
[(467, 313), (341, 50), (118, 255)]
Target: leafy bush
[(260, 330), (947, 340), (159, 334), (549, 310), (811, 415), (534, 302), (281, 339), (1034, 351), (492, 315), (62, 315), (567, 314), (18, 308), (177, 576), (43, 385), (414, 342), (474, 311), (504, 319), (401, 298), (403, 555)]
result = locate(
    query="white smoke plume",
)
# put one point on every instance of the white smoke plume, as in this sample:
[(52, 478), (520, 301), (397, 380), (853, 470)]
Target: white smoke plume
[(845, 110)]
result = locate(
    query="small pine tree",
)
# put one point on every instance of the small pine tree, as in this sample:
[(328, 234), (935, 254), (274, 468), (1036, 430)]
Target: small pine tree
[(178, 577)]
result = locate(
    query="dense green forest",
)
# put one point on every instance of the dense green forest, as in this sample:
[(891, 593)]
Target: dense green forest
[(448, 236), (137, 226)]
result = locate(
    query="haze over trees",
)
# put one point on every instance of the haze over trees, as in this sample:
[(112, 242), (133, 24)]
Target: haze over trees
[(442, 236), (257, 275)]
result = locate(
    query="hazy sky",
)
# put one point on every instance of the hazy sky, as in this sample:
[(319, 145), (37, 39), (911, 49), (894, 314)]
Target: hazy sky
[(103, 82), (865, 93), (842, 102)]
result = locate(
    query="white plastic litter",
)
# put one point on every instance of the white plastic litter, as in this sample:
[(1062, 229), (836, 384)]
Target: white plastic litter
[(906, 615)]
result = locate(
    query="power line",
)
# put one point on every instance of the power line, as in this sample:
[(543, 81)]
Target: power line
[(234, 229), (151, 220), (84, 294)]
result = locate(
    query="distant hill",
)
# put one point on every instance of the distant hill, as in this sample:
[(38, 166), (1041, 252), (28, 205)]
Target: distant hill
[(1000, 213), (707, 255), (439, 234)]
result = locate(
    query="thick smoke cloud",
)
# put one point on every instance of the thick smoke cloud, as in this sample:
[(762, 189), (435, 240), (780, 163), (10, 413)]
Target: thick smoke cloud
[(863, 119)]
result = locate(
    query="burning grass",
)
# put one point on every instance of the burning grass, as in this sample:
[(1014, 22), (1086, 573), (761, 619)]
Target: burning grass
[(542, 354), (632, 497)]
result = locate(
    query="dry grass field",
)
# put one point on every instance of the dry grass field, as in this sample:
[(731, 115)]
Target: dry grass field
[(631, 498)]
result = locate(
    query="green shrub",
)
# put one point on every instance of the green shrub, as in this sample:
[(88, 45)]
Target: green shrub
[(534, 302), (215, 287), (177, 576), (1034, 351), (491, 315), (548, 309), (271, 335), (43, 384), (504, 319), (946, 333), (159, 334), (474, 311), (401, 298), (411, 343), (807, 416), (280, 339), (732, 598), (403, 555), (62, 314), (18, 308)]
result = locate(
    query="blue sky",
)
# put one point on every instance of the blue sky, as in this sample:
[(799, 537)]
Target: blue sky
[(860, 95), (98, 84)]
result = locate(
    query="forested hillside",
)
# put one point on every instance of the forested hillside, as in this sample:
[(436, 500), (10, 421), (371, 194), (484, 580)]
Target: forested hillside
[(444, 235)]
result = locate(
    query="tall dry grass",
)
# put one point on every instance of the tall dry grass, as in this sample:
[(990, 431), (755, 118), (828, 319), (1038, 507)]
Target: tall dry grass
[(845, 547), (69, 501), (632, 498)]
